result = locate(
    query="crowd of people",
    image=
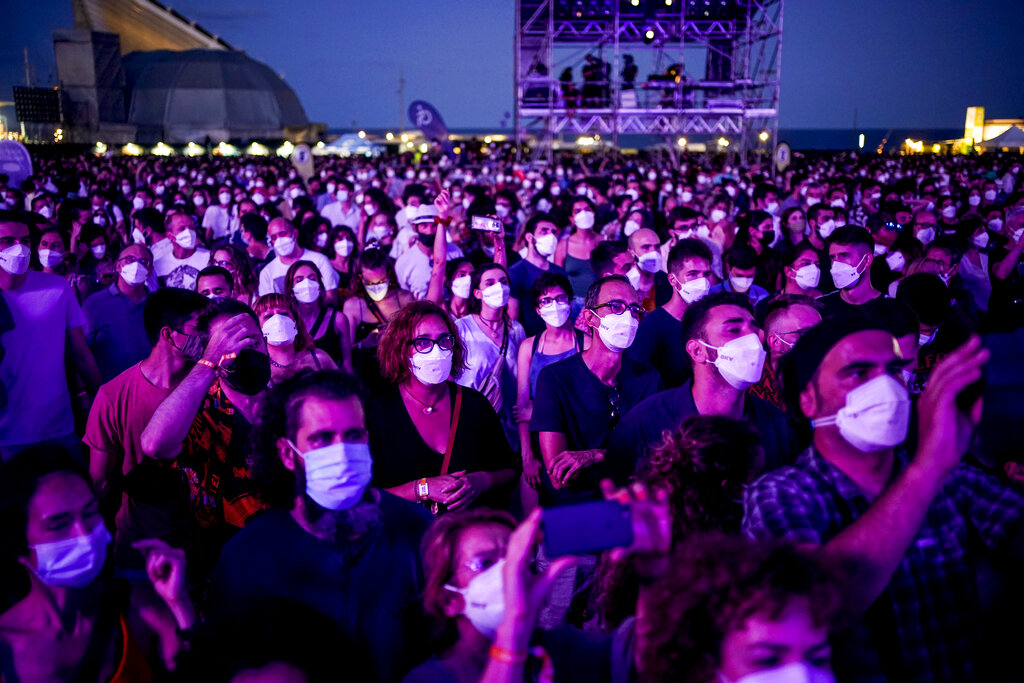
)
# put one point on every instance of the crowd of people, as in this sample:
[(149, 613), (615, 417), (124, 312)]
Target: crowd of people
[(259, 426)]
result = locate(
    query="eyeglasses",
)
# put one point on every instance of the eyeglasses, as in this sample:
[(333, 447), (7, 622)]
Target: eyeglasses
[(226, 265), (892, 226), (620, 307), (133, 259), (446, 342), (543, 302)]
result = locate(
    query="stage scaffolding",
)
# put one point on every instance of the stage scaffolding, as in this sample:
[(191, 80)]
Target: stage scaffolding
[(713, 69)]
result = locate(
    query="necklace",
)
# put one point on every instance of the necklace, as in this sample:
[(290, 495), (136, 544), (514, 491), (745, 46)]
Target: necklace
[(278, 365), (428, 408)]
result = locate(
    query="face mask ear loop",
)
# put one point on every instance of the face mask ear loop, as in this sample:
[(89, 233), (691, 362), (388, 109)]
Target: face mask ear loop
[(823, 422)]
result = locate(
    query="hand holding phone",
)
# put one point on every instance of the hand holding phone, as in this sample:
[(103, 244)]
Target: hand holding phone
[(486, 223)]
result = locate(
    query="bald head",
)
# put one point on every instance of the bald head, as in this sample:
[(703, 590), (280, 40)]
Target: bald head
[(641, 237)]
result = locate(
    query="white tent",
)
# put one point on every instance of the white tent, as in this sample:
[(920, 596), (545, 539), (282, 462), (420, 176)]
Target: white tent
[(1011, 137)]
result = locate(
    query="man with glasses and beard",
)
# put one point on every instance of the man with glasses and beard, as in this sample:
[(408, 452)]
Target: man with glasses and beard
[(329, 540)]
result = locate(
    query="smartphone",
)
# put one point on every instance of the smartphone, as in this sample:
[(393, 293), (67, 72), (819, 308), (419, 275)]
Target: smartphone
[(486, 223), (586, 528), (969, 395)]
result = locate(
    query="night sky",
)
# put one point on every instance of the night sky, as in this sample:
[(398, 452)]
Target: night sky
[(905, 63)]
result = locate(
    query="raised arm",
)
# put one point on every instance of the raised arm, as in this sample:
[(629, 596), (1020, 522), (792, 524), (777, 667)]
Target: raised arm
[(435, 289)]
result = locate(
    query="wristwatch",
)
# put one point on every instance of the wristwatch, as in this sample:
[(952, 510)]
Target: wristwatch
[(422, 489)]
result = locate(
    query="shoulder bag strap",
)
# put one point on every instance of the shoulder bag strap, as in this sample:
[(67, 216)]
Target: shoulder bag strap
[(452, 429), (372, 305), (319, 321)]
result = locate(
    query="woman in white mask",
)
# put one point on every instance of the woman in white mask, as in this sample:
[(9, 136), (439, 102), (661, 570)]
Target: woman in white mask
[(573, 252), (459, 283), (974, 272), (552, 297), (492, 342), (341, 249), (434, 441), (801, 270), (328, 327), (709, 619), (288, 343), (66, 618), (375, 299)]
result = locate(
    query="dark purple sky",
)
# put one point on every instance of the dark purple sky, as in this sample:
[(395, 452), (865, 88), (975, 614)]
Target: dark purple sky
[(902, 63)]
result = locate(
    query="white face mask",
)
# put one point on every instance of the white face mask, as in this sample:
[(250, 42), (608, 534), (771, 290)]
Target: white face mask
[(845, 275), (284, 246), (138, 203), (74, 562), (584, 220), (134, 273), (50, 258), (650, 262), (546, 244), (45, 212), (797, 672), (924, 339), (827, 228), (949, 211), (279, 330), (337, 474), (630, 227), (462, 286), (896, 261), (377, 292), (307, 291), (741, 285), (484, 597), (258, 199), (343, 247), (717, 216), (224, 197), (341, 195), (501, 211), (740, 361), (974, 200), (555, 314), (980, 241), (320, 240), (618, 331), (811, 201), (433, 367), (496, 296), (875, 417), (772, 208), (695, 290), (370, 209), (990, 195), (995, 225), (808, 277), (14, 259), (186, 239), (926, 235)]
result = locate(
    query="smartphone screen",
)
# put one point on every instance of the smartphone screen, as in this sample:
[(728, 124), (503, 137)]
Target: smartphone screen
[(586, 528), (486, 223)]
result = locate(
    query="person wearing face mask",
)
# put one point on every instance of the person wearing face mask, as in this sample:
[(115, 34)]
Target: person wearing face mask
[(821, 224), (647, 275), (943, 326), (415, 266), (328, 327), (741, 266), (44, 322), (540, 235), (328, 535), (725, 349), (851, 253), (974, 273), (552, 295), (657, 338), (65, 619), (800, 271), (578, 400), (180, 266), (733, 611), (459, 282), (573, 252), (857, 492), (288, 342), (115, 329), (199, 422), (217, 218), (342, 208), (341, 248), (786, 318), (436, 442), (284, 238)]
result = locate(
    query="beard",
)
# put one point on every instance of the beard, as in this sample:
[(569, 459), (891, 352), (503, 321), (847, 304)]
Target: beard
[(346, 531)]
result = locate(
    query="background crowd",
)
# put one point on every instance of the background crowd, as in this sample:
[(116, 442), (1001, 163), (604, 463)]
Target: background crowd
[(261, 426)]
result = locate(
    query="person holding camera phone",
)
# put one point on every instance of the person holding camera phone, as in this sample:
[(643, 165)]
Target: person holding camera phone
[(908, 530)]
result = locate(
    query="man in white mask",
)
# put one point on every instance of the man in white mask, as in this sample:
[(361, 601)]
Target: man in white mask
[(647, 275), (284, 238), (180, 266), (414, 266), (114, 328), (657, 338), (725, 350), (329, 540), (906, 529), (42, 325), (851, 253), (541, 236)]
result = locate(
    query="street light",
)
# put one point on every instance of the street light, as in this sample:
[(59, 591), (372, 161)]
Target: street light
[(763, 137)]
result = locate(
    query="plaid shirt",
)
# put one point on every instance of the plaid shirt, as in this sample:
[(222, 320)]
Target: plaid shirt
[(923, 627)]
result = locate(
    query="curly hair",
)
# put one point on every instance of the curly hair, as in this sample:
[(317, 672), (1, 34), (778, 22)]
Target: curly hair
[(393, 350), (717, 583)]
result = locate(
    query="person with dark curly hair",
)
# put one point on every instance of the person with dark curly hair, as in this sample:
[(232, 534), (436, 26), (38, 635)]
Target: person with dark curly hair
[(329, 540), (435, 441), (732, 611)]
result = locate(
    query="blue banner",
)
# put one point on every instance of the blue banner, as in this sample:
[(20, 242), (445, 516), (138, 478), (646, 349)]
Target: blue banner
[(424, 116), (15, 162)]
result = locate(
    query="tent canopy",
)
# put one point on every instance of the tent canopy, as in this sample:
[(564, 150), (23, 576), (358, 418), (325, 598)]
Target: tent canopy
[(1011, 137)]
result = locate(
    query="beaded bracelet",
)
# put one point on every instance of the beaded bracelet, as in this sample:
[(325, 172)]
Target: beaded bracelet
[(507, 656)]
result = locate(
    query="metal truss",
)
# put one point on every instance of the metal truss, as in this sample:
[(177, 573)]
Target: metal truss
[(740, 100)]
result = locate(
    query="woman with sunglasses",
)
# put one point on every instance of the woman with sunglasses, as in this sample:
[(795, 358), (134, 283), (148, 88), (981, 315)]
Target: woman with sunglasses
[(236, 261), (432, 440)]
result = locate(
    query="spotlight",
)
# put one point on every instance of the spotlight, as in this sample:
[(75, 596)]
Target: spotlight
[(648, 36), (634, 3)]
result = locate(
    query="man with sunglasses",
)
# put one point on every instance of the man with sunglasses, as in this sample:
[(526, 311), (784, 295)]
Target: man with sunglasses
[(114, 329), (581, 398)]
